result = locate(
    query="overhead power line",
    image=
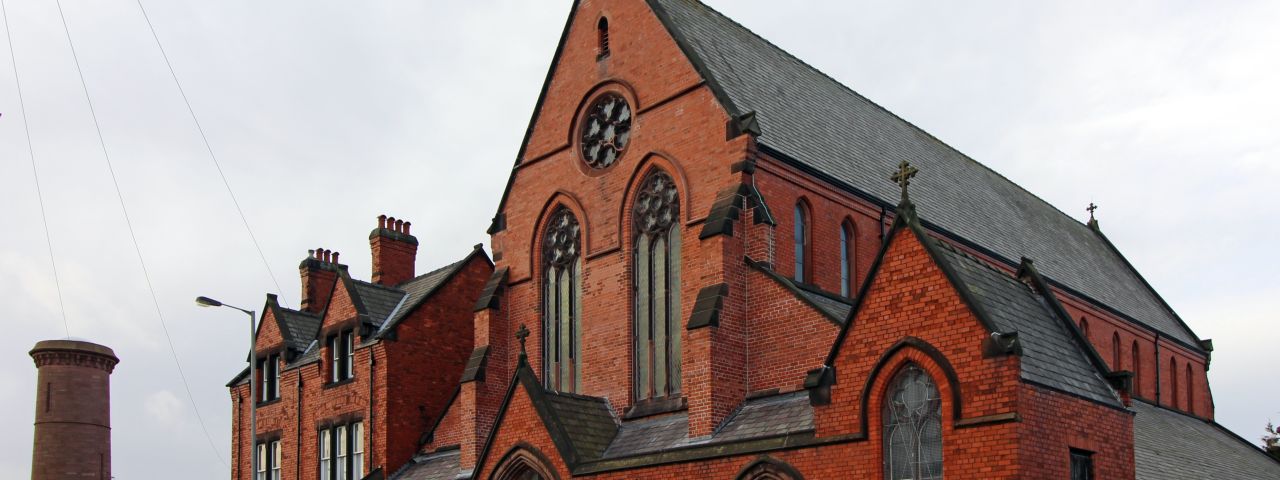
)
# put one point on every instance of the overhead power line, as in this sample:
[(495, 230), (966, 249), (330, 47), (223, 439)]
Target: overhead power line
[(35, 172), (132, 236), (209, 149)]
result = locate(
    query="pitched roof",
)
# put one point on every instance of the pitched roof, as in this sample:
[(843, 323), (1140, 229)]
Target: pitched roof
[(1170, 445), (419, 288), (302, 328), (587, 422), (379, 301), (827, 129), (1051, 356), (763, 417), (436, 466)]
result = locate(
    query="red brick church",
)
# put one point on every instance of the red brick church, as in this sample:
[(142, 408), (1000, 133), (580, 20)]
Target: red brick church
[(713, 261)]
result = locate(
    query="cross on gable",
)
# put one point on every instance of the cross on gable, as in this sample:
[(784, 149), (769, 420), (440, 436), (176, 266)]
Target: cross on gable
[(903, 176), (1091, 208)]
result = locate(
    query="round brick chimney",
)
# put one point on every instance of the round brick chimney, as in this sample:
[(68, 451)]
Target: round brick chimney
[(73, 410)]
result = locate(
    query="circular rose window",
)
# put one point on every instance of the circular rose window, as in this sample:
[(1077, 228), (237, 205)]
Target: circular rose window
[(605, 131)]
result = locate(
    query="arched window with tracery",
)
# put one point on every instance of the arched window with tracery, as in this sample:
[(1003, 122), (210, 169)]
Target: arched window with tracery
[(562, 301), (800, 237), (846, 258), (1137, 367), (656, 221), (912, 427)]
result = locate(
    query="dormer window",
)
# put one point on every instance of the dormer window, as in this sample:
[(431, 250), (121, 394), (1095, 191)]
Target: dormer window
[(269, 378), (602, 30), (342, 355)]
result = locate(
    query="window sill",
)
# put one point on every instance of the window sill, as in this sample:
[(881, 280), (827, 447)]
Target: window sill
[(339, 383), (655, 406), (268, 402)]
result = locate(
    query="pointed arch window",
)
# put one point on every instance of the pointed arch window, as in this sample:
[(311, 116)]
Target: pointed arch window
[(1084, 328), (912, 427), (846, 258), (1173, 382), (656, 221), (562, 301), (1191, 405), (800, 237), (1137, 367), (1115, 352)]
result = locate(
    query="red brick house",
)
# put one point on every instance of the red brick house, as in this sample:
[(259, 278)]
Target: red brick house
[(702, 269)]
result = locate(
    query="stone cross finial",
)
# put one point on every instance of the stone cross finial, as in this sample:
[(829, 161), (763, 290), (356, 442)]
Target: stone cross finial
[(1091, 208), (522, 334), (903, 176)]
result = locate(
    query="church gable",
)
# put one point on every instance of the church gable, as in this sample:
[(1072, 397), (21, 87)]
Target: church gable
[(605, 41), (910, 312)]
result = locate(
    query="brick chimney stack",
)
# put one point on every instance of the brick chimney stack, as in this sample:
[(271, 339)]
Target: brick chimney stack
[(319, 273), (394, 251), (73, 410)]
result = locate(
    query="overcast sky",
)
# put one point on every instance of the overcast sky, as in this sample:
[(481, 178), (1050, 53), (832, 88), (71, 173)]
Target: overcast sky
[(326, 114)]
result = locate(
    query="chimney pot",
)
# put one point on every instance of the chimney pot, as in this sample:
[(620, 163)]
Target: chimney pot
[(335, 257), (393, 255), (319, 253), (382, 221)]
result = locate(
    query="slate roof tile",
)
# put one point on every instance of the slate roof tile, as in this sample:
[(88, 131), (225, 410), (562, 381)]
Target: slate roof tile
[(1050, 354), (835, 132), (437, 466), (1171, 446), (379, 301)]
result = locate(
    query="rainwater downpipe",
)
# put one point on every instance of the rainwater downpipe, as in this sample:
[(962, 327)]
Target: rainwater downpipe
[(297, 448)]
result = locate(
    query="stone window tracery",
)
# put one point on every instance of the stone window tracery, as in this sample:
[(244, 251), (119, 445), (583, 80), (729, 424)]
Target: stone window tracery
[(606, 130), (656, 223), (912, 427), (562, 301)]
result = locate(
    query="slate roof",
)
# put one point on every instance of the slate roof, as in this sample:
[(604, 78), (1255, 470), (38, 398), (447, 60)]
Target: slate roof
[(757, 418), (1051, 355), (436, 466), (834, 308), (379, 301), (828, 129), (302, 327), (587, 422), (1170, 445)]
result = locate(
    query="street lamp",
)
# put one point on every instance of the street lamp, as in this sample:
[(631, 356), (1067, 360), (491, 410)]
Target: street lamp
[(253, 384)]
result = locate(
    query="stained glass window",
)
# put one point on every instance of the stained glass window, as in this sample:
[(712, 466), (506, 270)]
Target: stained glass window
[(606, 130), (912, 427), (657, 287), (561, 301)]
